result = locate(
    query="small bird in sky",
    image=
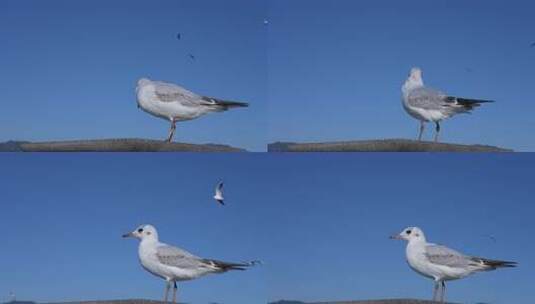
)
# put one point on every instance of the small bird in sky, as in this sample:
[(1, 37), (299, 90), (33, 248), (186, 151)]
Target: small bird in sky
[(219, 193), (490, 236), (533, 44), (191, 56), (179, 36)]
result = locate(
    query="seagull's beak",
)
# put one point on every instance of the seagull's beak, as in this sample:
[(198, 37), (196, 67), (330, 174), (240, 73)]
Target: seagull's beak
[(128, 235), (396, 237)]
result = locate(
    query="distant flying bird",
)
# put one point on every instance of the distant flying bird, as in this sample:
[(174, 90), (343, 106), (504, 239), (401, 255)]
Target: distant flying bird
[(441, 263), (219, 193), (491, 237), (174, 103), (427, 104), (533, 44), (179, 36), (191, 56), (174, 264)]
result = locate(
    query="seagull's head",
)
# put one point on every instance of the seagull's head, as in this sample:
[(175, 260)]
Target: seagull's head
[(416, 74), (410, 234), (143, 232), (413, 81), (143, 82)]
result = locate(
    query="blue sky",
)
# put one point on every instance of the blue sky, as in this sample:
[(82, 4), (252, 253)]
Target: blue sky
[(69, 68), (66, 214), (320, 223), (339, 209), (336, 68), (331, 70)]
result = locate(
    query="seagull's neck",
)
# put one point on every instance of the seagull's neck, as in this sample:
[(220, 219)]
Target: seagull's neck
[(411, 84), (419, 242), (148, 242)]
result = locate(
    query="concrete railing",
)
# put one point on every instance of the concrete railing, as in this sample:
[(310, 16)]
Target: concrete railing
[(382, 145), (113, 145)]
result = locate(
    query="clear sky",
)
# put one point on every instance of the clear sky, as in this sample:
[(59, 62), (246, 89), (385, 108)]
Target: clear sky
[(320, 223), (336, 68), (69, 68), (65, 214), (332, 70)]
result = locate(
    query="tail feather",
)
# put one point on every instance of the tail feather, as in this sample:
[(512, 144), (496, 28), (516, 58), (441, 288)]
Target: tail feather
[(467, 103), (494, 264), (226, 104), (226, 266)]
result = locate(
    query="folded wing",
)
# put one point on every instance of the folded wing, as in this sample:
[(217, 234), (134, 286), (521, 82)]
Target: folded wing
[(169, 92), (431, 99), (444, 256), (176, 257)]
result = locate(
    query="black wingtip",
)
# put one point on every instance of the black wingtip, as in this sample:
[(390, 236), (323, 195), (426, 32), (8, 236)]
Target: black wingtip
[(471, 102), (499, 264), (226, 266), (512, 265), (235, 104), (226, 103)]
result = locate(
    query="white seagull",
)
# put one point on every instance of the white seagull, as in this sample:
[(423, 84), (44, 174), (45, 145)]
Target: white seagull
[(174, 103), (429, 105), (441, 263), (174, 264), (219, 193)]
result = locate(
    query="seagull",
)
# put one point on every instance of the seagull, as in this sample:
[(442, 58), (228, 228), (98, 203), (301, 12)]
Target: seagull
[(174, 103), (219, 193), (427, 104), (174, 264), (441, 263)]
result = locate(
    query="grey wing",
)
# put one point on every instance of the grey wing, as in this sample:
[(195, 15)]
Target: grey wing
[(445, 256), (219, 188), (176, 257), (427, 98), (168, 92)]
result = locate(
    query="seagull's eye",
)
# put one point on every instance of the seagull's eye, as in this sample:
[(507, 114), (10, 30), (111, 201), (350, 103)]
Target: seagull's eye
[(409, 232), (140, 230)]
